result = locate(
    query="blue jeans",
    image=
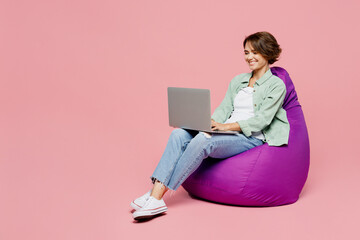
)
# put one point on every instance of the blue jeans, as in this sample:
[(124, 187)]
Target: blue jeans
[(186, 149)]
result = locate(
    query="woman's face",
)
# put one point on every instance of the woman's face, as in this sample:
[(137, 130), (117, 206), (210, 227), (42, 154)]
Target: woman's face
[(254, 59)]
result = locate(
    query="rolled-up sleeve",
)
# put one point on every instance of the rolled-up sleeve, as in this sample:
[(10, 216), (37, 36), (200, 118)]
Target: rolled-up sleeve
[(266, 111)]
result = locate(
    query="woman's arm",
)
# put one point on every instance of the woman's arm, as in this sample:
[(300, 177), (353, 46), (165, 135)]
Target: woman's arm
[(266, 111), (223, 111)]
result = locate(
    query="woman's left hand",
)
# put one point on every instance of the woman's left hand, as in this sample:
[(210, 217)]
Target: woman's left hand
[(225, 126), (218, 126)]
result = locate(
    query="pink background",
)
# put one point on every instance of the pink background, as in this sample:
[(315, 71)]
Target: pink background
[(83, 113)]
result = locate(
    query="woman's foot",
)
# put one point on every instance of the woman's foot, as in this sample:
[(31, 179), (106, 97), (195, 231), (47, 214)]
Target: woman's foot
[(140, 202), (151, 208)]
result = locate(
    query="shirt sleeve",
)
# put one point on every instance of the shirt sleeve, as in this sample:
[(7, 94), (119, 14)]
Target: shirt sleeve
[(226, 106), (266, 111)]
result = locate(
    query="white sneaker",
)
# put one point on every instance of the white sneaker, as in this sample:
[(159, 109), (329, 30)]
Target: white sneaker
[(151, 208), (139, 202)]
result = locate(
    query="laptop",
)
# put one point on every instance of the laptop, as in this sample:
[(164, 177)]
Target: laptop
[(190, 108)]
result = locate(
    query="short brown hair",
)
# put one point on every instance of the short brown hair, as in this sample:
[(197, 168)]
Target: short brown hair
[(266, 44)]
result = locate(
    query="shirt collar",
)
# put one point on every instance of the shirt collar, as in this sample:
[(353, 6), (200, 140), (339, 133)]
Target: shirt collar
[(261, 80)]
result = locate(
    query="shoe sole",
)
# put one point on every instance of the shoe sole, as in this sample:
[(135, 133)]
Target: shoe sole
[(138, 216)]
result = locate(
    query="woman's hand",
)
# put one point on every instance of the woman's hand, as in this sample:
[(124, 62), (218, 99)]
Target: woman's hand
[(218, 126), (224, 127)]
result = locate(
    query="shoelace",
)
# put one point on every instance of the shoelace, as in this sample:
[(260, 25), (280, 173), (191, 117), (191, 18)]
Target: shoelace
[(147, 202)]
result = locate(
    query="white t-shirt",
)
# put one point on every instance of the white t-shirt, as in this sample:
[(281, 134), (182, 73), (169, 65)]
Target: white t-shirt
[(243, 109)]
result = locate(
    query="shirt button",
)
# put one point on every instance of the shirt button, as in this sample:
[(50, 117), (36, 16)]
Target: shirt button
[(254, 90), (255, 105)]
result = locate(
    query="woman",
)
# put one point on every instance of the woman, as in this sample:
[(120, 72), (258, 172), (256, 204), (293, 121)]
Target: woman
[(252, 106)]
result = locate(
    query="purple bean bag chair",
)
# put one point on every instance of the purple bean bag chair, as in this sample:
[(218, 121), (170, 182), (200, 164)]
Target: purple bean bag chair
[(264, 175)]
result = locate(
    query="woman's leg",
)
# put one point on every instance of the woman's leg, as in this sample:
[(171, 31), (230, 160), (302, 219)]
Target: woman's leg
[(175, 147), (201, 147)]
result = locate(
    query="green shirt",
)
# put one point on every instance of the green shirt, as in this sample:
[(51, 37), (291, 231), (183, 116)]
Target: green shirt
[(268, 97)]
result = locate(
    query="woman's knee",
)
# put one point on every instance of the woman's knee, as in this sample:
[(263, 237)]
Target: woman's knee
[(200, 145), (179, 133), (200, 139)]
